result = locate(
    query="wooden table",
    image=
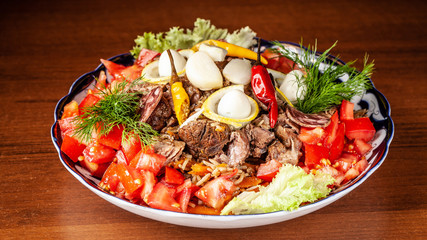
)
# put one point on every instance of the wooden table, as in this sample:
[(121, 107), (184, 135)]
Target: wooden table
[(46, 45)]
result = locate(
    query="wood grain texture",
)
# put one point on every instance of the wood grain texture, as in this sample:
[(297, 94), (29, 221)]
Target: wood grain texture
[(46, 45)]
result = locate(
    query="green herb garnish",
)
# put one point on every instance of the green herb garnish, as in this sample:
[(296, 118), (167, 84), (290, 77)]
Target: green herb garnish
[(116, 107), (323, 90)]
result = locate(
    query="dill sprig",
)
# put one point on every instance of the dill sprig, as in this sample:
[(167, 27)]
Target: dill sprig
[(320, 85), (116, 107)]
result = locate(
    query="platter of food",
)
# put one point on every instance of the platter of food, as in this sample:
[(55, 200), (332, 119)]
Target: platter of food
[(227, 130)]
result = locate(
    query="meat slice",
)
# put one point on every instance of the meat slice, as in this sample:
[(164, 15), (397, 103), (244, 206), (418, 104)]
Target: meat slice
[(259, 139), (277, 151), (238, 149), (307, 120), (149, 102), (160, 116), (205, 138), (171, 149)]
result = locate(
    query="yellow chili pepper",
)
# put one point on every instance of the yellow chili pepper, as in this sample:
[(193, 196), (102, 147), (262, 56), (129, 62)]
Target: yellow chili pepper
[(232, 50), (181, 101)]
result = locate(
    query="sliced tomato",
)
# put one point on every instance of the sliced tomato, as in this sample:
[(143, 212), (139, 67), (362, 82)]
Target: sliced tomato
[(312, 135), (67, 125), (146, 56), (361, 165), (278, 62), (95, 169), (149, 183), (337, 175), (314, 154), (331, 130), (145, 160), (110, 180), (131, 73), (351, 174), (98, 153), (162, 198), (360, 128), (346, 110), (267, 171), (113, 69), (131, 146), (337, 146), (173, 176), (89, 101), (361, 146), (72, 147), (129, 177), (343, 164), (184, 198), (113, 139), (121, 158), (216, 192), (70, 110)]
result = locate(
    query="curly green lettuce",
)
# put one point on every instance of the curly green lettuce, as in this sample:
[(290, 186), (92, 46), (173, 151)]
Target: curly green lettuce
[(179, 38), (291, 187)]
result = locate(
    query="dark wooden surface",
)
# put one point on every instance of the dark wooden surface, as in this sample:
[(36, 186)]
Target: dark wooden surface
[(46, 45)]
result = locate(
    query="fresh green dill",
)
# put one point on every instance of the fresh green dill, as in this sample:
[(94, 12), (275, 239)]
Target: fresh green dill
[(321, 87), (117, 107)]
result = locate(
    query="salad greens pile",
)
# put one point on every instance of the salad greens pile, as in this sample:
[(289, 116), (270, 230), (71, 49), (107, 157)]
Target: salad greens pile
[(179, 38), (291, 187)]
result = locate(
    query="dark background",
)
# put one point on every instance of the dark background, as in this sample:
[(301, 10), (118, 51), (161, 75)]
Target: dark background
[(46, 45)]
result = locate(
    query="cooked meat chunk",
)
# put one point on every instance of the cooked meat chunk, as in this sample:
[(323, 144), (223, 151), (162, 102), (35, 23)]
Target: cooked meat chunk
[(160, 116), (171, 149), (287, 135), (205, 138), (307, 120), (238, 149), (259, 139), (281, 153), (284, 121)]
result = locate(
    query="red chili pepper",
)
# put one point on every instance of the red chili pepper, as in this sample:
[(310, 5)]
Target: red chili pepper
[(264, 90)]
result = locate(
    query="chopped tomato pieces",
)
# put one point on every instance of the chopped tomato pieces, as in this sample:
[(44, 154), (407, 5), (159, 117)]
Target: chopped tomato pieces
[(312, 135), (145, 56), (129, 177), (337, 146), (162, 197), (359, 128), (314, 154), (216, 192), (361, 146), (88, 101), (97, 153), (131, 146), (267, 171), (145, 160), (72, 147), (346, 110), (113, 139), (70, 110), (110, 180), (173, 176)]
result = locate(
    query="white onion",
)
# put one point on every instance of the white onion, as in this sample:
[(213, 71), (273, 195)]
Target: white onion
[(216, 53), (290, 86), (165, 63), (238, 71), (202, 72), (234, 104)]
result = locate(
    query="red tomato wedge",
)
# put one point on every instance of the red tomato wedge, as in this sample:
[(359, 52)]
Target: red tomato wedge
[(131, 146), (129, 177), (97, 153), (173, 176), (145, 160), (120, 72), (216, 192), (267, 171), (337, 146), (279, 63), (312, 135), (331, 130), (89, 101), (162, 198), (70, 110), (145, 56), (359, 128), (72, 147), (361, 146), (346, 110), (314, 154), (110, 180), (95, 169), (113, 139), (149, 183)]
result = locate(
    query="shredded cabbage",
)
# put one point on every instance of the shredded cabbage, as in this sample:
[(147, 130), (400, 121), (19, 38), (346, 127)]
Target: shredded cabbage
[(291, 187)]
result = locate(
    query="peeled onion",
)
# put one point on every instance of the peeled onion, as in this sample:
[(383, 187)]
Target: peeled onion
[(234, 104), (202, 72), (238, 71), (291, 88), (216, 53), (165, 63)]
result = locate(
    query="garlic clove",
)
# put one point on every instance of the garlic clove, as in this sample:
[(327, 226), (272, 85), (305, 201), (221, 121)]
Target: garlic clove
[(216, 53), (165, 64), (293, 86)]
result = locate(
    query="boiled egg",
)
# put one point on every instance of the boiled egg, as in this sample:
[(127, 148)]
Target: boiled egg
[(234, 104), (293, 86), (165, 63)]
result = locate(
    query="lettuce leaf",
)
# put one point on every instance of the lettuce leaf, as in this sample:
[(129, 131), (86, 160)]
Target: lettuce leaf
[(179, 38), (291, 187)]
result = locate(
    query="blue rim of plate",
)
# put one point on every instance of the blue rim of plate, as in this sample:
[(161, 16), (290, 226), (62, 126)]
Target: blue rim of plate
[(85, 80)]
